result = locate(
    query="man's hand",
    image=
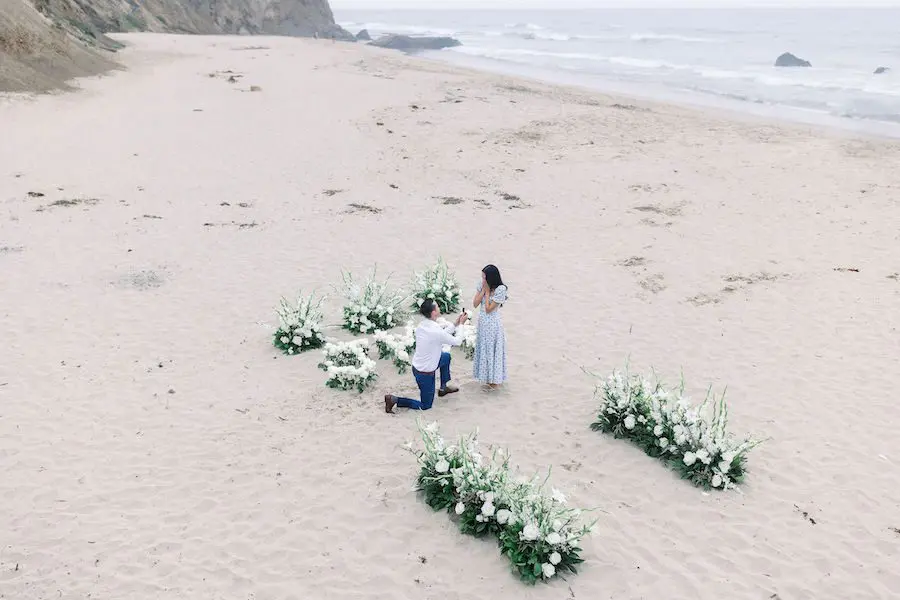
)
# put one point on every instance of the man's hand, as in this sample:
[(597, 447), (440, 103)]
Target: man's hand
[(462, 319)]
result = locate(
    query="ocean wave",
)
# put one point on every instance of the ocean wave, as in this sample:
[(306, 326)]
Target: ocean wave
[(529, 26), (537, 35), (384, 28), (671, 37)]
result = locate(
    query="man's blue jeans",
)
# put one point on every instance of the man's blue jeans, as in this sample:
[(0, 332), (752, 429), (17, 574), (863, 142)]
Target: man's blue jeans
[(426, 386)]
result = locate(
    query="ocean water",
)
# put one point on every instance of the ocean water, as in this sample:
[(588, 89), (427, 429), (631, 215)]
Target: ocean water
[(709, 57)]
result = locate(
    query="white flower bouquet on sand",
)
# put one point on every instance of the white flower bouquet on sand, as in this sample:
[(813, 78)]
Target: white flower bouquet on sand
[(397, 348), (299, 325), (691, 440), (468, 331), (437, 283), (348, 365), (469, 336), (371, 305), (537, 532)]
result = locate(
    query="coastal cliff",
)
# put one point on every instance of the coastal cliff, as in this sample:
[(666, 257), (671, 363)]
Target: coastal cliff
[(44, 43)]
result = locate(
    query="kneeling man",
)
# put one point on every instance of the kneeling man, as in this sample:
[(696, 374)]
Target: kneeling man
[(429, 358)]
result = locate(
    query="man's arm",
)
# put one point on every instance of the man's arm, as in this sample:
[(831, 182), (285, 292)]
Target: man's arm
[(451, 337)]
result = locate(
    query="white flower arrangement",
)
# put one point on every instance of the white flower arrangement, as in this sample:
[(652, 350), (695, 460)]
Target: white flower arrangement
[(299, 325), (469, 334), (468, 331), (371, 306), (664, 423), (348, 365), (437, 283), (397, 348), (536, 531)]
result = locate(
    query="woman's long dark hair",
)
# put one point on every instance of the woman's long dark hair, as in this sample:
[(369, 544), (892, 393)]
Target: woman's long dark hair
[(492, 275)]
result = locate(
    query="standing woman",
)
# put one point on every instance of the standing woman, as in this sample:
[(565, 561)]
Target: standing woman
[(490, 347)]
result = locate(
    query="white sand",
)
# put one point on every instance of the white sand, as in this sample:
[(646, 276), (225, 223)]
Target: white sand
[(154, 445)]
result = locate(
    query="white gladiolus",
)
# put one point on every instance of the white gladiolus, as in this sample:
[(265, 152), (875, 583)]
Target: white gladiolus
[(480, 481), (692, 434), (442, 466)]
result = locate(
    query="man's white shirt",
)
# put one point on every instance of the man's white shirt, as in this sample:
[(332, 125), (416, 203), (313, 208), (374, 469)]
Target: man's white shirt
[(430, 341)]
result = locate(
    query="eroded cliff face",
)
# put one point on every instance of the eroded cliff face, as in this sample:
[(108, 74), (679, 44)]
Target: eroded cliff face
[(250, 17), (38, 52)]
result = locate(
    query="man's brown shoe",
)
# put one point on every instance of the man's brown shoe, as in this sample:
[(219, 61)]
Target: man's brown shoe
[(389, 404), (450, 389)]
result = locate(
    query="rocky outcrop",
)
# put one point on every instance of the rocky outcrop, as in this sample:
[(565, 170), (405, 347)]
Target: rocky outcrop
[(789, 60), (882, 70), (255, 17), (363, 36), (39, 53), (38, 56), (412, 44)]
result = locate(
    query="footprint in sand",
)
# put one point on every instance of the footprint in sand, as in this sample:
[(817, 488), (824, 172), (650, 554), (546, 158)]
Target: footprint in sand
[(140, 280)]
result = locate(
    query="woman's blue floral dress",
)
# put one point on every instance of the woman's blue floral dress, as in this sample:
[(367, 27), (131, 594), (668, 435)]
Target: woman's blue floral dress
[(490, 347)]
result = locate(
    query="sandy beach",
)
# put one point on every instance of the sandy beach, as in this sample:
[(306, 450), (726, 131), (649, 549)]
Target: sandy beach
[(153, 443)]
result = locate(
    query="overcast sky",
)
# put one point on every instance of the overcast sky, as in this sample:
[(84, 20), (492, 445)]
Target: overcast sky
[(526, 4)]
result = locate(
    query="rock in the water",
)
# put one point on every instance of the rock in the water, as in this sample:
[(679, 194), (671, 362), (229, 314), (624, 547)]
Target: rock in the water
[(407, 43), (881, 70), (363, 36), (789, 60)]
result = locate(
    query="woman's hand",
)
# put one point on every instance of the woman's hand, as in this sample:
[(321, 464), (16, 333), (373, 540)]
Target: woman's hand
[(484, 292)]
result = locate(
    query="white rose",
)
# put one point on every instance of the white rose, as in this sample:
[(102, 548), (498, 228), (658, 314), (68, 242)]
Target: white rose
[(460, 508), (724, 466), (689, 458), (716, 481), (555, 558), (629, 422), (657, 431), (488, 509), (548, 570), (553, 538), (503, 516), (663, 443), (488, 497), (530, 533), (479, 518), (703, 456), (284, 339), (442, 466)]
